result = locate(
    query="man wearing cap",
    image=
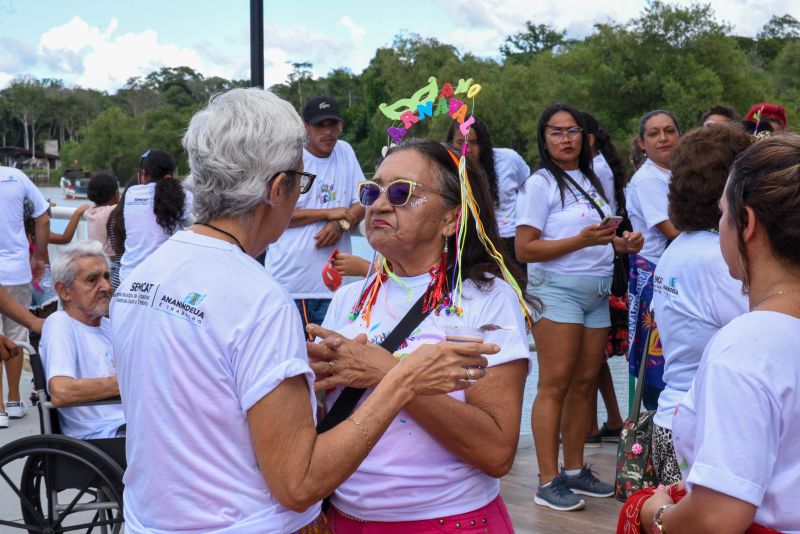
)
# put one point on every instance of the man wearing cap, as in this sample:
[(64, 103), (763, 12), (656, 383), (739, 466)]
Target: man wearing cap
[(323, 217)]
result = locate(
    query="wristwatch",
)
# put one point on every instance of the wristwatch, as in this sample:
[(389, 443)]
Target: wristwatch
[(658, 528), (344, 224)]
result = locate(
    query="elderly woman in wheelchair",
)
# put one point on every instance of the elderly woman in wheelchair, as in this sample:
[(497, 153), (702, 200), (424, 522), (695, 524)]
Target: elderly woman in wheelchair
[(71, 474)]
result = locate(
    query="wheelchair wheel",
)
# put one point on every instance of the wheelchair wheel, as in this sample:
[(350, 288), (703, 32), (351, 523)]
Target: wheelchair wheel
[(65, 485)]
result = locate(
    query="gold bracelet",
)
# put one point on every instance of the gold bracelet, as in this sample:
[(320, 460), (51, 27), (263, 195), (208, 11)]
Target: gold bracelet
[(363, 432)]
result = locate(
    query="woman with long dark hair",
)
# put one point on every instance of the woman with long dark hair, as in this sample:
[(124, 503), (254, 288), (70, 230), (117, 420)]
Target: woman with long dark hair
[(560, 229), (505, 172), (437, 466), (153, 210)]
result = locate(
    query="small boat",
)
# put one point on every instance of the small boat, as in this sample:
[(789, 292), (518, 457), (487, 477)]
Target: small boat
[(74, 184)]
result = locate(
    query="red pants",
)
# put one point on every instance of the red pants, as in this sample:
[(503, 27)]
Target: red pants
[(491, 518)]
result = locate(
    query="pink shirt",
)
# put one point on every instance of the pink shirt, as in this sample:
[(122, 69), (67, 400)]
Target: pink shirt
[(96, 219)]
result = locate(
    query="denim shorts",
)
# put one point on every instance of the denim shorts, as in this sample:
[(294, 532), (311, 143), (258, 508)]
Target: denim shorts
[(566, 298)]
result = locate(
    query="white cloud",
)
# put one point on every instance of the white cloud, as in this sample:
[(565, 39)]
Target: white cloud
[(356, 32), (485, 25)]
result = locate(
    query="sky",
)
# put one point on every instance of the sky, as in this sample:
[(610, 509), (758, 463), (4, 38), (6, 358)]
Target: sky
[(100, 44)]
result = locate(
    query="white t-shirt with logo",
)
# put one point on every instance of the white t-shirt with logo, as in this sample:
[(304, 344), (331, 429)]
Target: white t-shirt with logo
[(76, 350), (294, 260), (408, 475), (694, 296), (539, 206), (606, 176), (202, 332), (143, 234), (737, 431), (511, 171), (648, 205), (15, 187)]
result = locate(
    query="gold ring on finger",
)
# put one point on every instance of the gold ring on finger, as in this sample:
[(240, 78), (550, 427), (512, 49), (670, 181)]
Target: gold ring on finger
[(471, 375), (330, 370)]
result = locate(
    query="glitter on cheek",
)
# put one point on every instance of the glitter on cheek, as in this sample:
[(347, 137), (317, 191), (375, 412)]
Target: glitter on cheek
[(418, 202)]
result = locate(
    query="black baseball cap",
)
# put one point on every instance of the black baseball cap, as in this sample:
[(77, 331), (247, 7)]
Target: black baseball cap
[(321, 108)]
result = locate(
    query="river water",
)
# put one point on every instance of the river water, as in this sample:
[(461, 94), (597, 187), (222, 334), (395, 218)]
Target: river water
[(618, 365)]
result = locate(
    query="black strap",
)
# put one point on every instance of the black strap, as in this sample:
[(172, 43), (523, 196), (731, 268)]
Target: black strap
[(603, 214), (347, 400)]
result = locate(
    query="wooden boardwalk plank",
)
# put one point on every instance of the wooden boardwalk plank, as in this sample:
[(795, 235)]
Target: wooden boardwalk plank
[(599, 515)]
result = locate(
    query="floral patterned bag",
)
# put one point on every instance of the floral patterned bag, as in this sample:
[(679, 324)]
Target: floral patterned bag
[(634, 453)]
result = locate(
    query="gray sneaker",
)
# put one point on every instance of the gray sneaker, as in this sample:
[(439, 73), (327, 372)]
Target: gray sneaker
[(558, 496), (585, 483)]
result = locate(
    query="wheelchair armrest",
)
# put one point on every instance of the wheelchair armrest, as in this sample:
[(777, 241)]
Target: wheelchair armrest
[(100, 402)]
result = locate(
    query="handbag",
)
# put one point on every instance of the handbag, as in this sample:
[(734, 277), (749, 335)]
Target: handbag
[(635, 469)]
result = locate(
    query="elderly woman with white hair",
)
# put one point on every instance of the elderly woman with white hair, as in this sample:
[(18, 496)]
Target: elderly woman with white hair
[(76, 349), (214, 375)]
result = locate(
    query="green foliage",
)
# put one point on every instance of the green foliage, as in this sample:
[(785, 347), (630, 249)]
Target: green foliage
[(678, 58)]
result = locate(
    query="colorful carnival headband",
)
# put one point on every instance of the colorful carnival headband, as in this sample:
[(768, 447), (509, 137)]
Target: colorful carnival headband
[(441, 296)]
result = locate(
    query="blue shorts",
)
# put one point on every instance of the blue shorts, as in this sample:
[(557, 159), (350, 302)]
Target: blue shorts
[(576, 299)]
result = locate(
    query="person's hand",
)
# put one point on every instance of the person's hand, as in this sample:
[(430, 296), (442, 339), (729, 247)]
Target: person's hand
[(336, 214), (444, 367), (37, 268), (82, 208), (8, 349), (595, 234), (341, 362), (329, 235), (349, 265), (630, 242), (651, 505)]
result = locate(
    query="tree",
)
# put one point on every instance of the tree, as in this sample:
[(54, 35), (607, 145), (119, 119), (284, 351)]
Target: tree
[(776, 34), (26, 100), (534, 39), (112, 141)]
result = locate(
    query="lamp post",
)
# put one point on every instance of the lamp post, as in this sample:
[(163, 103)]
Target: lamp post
[(257, 43)]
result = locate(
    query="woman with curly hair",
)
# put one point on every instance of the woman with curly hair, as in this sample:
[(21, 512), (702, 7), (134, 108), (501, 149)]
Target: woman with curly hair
[(693, 294), (153, 210)]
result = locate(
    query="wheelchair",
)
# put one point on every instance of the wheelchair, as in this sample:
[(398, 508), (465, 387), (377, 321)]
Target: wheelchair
[(65, 484)]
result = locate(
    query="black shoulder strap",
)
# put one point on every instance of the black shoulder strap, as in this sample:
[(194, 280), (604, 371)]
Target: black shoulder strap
[(348, 399), (587, 195)]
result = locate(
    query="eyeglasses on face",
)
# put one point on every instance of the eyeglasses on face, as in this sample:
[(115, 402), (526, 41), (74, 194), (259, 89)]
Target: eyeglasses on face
[(398, 192), (558, 134), (306, 179)]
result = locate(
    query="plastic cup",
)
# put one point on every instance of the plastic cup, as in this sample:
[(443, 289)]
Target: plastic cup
[(463, 334)]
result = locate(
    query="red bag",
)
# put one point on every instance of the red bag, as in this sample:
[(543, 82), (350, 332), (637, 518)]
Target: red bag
[(331, 276)]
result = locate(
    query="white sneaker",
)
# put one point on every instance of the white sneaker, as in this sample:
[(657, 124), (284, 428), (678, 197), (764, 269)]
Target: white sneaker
[(16, 410), (3, 420)]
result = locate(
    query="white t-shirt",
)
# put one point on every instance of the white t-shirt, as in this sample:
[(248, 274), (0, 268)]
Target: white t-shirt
[(647, 200), (202, 333), (15, 187), (693, 297), (737, 430), (76, 350), (539, 206), (511, 171), (142, 233), (408, 475), (294, 260), (606, 177)]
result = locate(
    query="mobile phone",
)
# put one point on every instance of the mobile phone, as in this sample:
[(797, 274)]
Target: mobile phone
[(612, 221)]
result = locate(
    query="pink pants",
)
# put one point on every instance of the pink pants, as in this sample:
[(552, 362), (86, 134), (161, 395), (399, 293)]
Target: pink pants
[(491, 518)]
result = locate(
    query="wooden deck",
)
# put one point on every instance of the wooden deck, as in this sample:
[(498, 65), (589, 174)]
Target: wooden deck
[(599, 515)]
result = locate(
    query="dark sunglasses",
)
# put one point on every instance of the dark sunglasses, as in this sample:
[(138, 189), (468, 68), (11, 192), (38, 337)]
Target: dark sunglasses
[(306, 179), (398, 192)]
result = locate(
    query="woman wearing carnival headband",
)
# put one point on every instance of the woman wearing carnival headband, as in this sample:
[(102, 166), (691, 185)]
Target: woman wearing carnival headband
[(154, 209), (437, 466), (240, 450), (565, 229)]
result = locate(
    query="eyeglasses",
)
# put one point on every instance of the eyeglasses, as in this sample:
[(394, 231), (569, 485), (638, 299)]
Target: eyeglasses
[(398, 192), (557, 134), (306, 179)]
